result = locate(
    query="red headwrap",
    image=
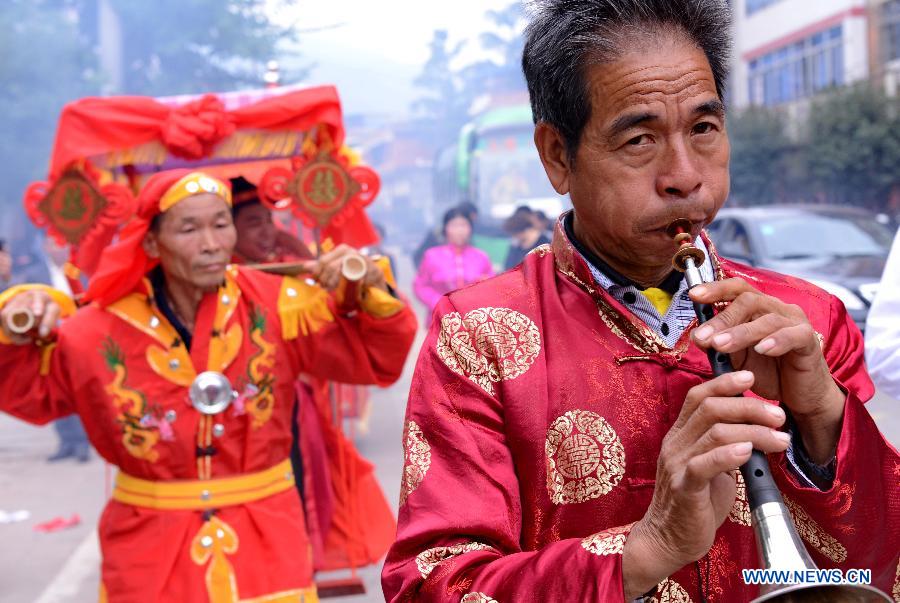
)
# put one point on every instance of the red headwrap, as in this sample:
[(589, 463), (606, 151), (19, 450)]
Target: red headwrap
[(123, 266)]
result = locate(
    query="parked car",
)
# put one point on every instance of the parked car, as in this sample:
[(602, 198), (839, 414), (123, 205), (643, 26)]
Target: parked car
[(840, 249)]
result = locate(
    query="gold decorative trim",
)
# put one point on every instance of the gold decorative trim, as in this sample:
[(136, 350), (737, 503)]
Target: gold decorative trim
[(740, 511), (417, 459), (607, 542), (669, 591), (814, 535), (541, 250), (488, 345), (585, 457), (427, 560)]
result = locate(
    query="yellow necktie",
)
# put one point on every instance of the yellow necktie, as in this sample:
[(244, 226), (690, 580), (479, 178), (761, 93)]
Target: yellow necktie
[(660, 299)]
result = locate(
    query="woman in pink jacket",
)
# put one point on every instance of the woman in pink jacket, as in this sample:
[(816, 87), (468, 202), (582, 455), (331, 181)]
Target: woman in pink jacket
[(456, 264)]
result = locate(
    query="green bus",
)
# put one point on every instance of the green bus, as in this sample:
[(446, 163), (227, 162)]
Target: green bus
[(495, 166)]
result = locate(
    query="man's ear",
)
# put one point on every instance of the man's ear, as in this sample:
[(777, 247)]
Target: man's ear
[(552, 149), (151, 245)]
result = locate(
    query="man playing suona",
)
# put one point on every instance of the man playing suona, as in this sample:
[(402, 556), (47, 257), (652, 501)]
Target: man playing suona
[(204, 507), (565, 439)]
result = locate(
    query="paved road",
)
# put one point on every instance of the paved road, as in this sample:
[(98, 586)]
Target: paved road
[(62, 567)]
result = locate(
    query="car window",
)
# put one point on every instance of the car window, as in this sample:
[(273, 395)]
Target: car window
[(730, 239), (810, 235)]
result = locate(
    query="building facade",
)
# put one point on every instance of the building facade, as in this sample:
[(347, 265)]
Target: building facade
[(790, 50)]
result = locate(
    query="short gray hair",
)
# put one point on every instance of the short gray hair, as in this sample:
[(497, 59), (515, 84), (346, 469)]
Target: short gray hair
[(564, 35)]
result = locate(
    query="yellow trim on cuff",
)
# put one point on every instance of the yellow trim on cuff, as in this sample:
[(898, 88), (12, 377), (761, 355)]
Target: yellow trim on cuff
[(384, 264), (378, 303)]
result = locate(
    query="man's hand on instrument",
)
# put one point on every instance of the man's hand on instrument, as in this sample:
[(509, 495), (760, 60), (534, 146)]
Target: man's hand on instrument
[(714, 434), (776, 342), (5, 266), (45, 311), (327, 269)]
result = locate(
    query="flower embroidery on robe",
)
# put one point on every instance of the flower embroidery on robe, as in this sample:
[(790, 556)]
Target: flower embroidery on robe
[(260, 372), (427, 560), (585, 457), (813, 533), (417, 459), (669, 591), (607, 542), (740, 512), (488, 345), (477, 598), (138, 436)]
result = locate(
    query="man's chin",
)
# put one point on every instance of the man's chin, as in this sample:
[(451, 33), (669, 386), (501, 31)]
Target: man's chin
[(211, 281)]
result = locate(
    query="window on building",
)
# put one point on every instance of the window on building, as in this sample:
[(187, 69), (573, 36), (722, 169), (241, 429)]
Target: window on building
[(891, 30), (798, 70), (753, 6)]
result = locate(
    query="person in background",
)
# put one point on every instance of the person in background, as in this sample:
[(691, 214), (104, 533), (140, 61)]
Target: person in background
[(526, 232), (453, 265), (543, 223), (5, 267), (204, 507), (435, 236), (259, 240), (883, 328)]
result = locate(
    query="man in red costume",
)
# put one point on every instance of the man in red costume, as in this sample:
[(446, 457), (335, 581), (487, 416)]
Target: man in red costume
[(204, 507), (565, 439), (347, 527)]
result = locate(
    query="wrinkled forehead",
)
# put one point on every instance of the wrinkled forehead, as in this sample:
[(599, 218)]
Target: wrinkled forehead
[(660, 69), (200, 208)]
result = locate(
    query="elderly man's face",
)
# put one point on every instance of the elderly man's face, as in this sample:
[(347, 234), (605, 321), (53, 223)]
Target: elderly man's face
[(654, 149), (194, 242)]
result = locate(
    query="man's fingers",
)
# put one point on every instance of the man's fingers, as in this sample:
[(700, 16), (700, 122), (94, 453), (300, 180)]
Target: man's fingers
[(739, 409), (723, 386), (720, 291), (748, 334), (49, 320), (726, 434), (800, 338), (330, 274), (748, 306), (702, 468)]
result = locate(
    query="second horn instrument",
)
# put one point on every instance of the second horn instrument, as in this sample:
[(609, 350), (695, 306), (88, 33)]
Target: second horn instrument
[(353, 270), (777, 541), (21, 321)]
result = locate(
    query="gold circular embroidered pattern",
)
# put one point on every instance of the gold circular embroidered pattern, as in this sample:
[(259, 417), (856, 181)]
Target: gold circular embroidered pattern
[(477, 598), (429, 559), (417, 459), (607, 542), (585, 457), (488, 345)]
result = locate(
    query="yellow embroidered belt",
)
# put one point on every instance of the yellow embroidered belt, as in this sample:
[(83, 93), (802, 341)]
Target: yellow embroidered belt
[(203, 494)]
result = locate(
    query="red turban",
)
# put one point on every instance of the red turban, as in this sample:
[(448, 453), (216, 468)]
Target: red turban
[(124, 265)]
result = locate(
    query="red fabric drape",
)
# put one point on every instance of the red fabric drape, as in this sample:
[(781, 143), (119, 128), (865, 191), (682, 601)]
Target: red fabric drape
[(94, 126), (123, 266)]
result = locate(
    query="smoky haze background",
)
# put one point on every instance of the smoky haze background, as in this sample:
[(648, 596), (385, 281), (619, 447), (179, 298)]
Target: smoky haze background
[(410, 73)]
